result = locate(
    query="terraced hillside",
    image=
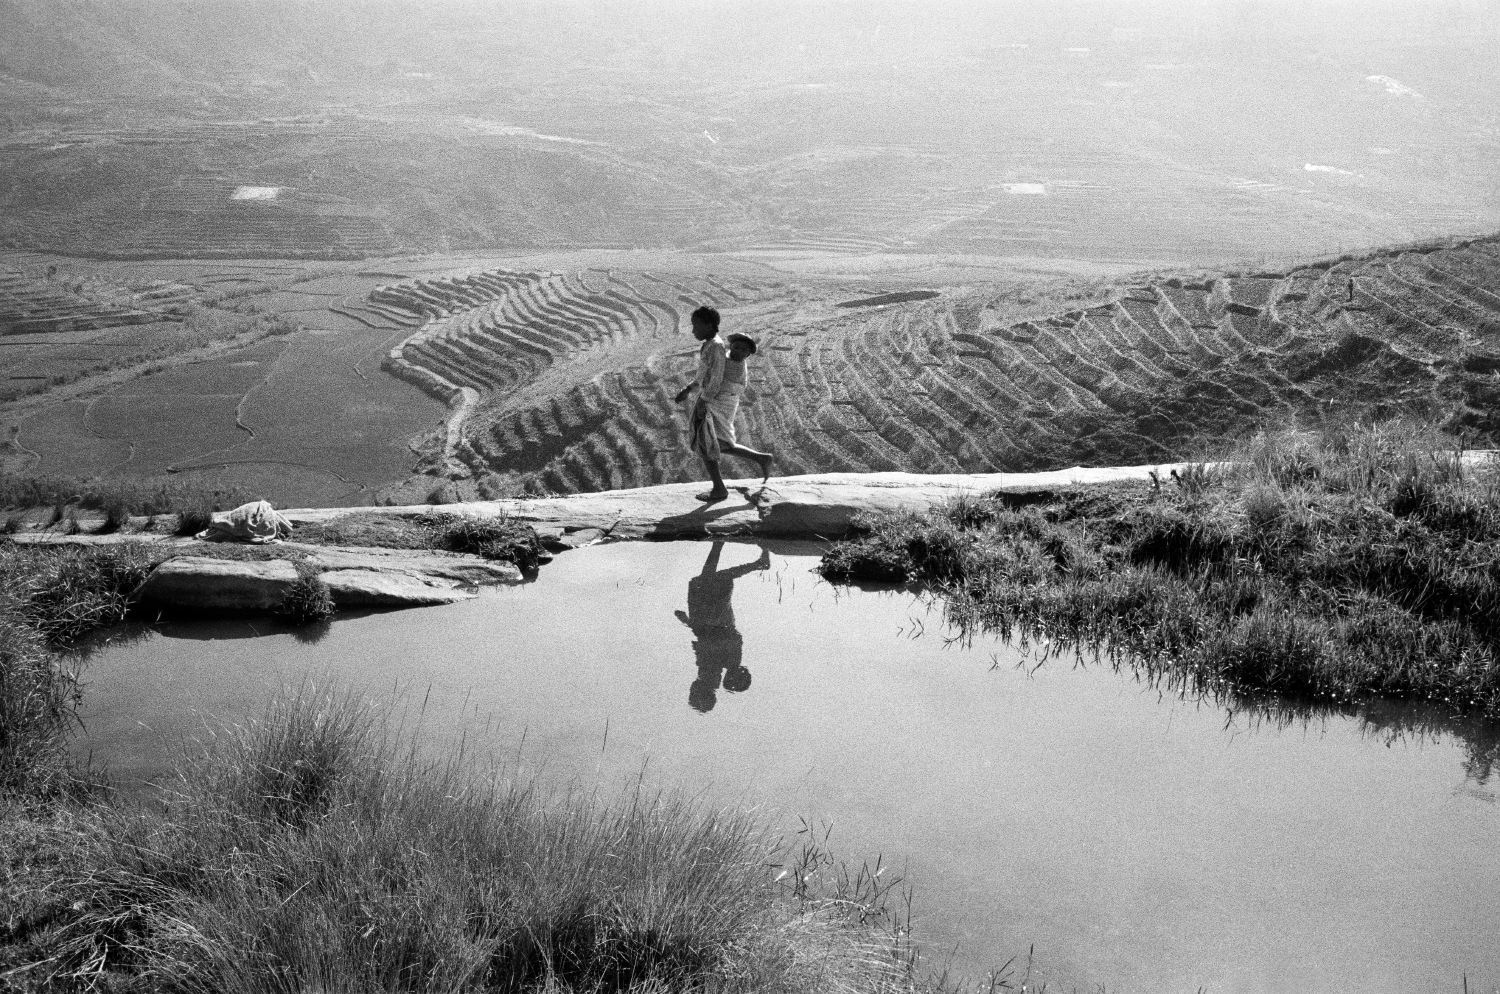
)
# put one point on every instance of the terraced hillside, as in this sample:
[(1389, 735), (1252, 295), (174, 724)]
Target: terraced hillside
[(563, 381), (553, 376), (31, 306)]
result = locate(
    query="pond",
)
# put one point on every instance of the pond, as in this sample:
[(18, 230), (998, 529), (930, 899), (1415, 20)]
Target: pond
[(1110, 832)]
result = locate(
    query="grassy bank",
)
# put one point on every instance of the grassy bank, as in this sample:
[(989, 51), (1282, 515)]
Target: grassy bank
[(1330, 566), (317, 850)]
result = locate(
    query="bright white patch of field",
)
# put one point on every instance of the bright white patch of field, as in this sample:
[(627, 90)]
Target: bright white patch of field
[(482, 126), (256, 192), (1311, 167), (1393, 86), (1025, 189)]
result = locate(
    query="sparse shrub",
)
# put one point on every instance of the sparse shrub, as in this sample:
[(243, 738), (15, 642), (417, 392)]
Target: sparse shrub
[(194, 519), (307, 600), (972, 511), (869, 561), (1194, 478), (116, 516), (493, 538)]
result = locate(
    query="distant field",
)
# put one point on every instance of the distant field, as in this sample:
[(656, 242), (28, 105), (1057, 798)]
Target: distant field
[(329, 426)]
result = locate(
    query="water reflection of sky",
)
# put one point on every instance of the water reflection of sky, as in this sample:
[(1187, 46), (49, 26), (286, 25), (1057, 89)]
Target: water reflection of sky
[(1138, 839)]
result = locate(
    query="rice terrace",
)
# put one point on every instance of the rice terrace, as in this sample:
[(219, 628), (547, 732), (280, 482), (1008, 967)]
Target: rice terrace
[(1115, 611)]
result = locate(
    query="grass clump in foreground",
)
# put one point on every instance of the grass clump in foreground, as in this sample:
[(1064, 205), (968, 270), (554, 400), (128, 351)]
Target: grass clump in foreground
[(1326, 566), (315, 847), (50, 596), (38, 707), (61, 592)]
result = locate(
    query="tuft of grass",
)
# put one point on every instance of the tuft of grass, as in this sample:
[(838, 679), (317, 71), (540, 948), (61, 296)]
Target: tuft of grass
[(39, 699), (307, 601), (62, 592), (195, 518), (317, 843), (116, 516), (493, 538)]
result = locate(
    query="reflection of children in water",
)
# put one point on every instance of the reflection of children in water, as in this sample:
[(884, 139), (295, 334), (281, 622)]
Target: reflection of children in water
[(716, 641)]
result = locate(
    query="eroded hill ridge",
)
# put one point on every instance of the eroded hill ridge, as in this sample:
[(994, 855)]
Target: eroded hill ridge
[(563, 381)]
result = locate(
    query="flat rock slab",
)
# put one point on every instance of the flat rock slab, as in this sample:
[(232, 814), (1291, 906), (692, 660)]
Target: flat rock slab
[(445, 568), (817, 506), (364, 588), (362, 578)]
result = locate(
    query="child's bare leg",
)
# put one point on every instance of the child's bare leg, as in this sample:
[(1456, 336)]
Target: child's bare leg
[(745, 452), (719, 491)]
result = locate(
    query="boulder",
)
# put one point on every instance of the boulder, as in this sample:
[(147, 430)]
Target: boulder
[(199, 583)]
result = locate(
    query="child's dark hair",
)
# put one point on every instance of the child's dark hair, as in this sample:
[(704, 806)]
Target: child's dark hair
[(708, 314), (745, 340)]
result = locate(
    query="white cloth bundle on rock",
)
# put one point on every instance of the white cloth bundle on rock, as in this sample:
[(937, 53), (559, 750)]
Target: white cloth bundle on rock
[(256, 522)]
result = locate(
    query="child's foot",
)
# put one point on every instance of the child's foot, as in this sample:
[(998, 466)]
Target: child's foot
[(765, 467), (709, 496)]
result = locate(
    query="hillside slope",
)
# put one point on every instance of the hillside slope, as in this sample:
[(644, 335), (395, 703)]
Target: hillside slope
[(564, 380)]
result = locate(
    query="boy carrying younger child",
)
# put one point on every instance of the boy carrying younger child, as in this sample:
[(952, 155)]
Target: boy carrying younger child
[(720, 384)]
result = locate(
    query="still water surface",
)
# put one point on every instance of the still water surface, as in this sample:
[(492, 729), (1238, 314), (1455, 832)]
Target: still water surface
[(1133, 839)]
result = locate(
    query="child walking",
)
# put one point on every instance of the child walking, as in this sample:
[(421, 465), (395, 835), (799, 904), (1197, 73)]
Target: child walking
[(720, 383)]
